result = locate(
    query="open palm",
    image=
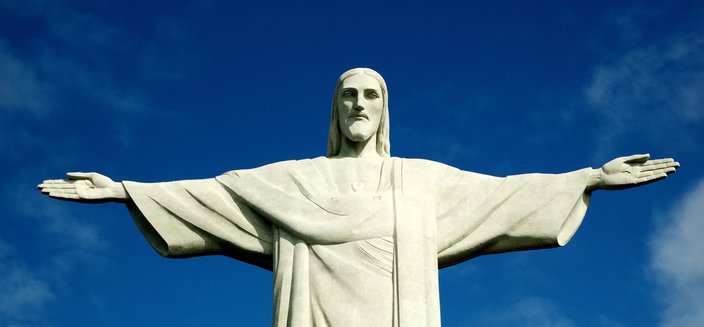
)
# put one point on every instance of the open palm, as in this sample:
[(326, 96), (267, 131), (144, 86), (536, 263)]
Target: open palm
[(81, 187), (635, 170)]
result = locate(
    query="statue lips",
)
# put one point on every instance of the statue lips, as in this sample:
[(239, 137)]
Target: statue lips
[(359, 116)]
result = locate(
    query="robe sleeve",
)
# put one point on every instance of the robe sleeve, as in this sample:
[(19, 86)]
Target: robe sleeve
[(199, 217), (479, 214)]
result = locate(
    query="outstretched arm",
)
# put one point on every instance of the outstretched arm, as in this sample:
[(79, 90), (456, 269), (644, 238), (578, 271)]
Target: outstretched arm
[(86, 188), (631, 171)]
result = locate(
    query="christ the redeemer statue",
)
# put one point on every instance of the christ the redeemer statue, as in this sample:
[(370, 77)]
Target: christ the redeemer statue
[(356, 238)]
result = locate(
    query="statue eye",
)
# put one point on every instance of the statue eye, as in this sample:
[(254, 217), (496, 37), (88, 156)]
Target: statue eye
[(372, 94), (347, 93)]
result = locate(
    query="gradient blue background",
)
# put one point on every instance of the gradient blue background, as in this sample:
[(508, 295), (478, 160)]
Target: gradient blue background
[(174, 90)]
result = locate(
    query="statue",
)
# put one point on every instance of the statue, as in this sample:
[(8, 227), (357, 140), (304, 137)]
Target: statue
[(356, 238)]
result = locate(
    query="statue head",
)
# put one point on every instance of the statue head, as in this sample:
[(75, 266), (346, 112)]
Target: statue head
[(340, 128)]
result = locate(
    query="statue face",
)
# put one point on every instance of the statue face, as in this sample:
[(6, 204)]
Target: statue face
[(359, 106)]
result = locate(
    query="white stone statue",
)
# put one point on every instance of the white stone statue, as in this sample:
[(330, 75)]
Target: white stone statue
[(356, 238)]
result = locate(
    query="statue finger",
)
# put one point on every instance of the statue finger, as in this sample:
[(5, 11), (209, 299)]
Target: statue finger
[(64, 191), (56, 185), (64, 196), (636, 158), (60, 190), (667, 171), (646, 174), (56, 181), (79, 175), (651, 178), (50, 189), (659, 166), (654, 177), (658, 161)]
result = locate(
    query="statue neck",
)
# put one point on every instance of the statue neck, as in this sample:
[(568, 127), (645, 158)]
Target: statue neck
[(364, 149)]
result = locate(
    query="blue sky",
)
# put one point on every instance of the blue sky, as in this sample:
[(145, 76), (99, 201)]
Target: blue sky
[(182, 90)]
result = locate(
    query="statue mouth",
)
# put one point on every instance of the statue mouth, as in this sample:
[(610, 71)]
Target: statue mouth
[(359, 116)]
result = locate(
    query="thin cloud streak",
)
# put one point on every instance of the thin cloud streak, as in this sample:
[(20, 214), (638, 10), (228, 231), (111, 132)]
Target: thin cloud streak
[(655, 91), (527, 312), (64, 65), (676, 261), (23, 295), (27, 289), (20, 87)]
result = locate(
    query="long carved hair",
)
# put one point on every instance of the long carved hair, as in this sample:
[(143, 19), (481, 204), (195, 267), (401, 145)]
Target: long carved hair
[(383, 145)]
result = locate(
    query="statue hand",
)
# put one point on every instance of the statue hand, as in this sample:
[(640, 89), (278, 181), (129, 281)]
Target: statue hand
[(635, 170), (84, 187)]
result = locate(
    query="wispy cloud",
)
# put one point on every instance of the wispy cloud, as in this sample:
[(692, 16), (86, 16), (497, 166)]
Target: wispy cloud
[(528, 312), (6, 250), (23, 295), (27, 7), (655, 90), (52, 217), (29, 287), (66, 63), (20, 88), (629, 22), (466, 109), (80, 30), (677, 262)]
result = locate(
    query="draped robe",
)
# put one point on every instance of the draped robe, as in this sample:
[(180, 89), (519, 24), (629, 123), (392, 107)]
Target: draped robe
[(358, 242)]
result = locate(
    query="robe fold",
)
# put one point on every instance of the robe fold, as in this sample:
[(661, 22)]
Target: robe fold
[(358, 242)]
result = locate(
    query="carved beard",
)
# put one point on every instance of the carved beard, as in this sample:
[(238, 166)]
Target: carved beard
[(358, 130)]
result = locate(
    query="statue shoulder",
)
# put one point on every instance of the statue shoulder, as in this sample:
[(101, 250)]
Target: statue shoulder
[(279, 165), (427, 165), (441, 171), (425, 173), (275, 167)]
